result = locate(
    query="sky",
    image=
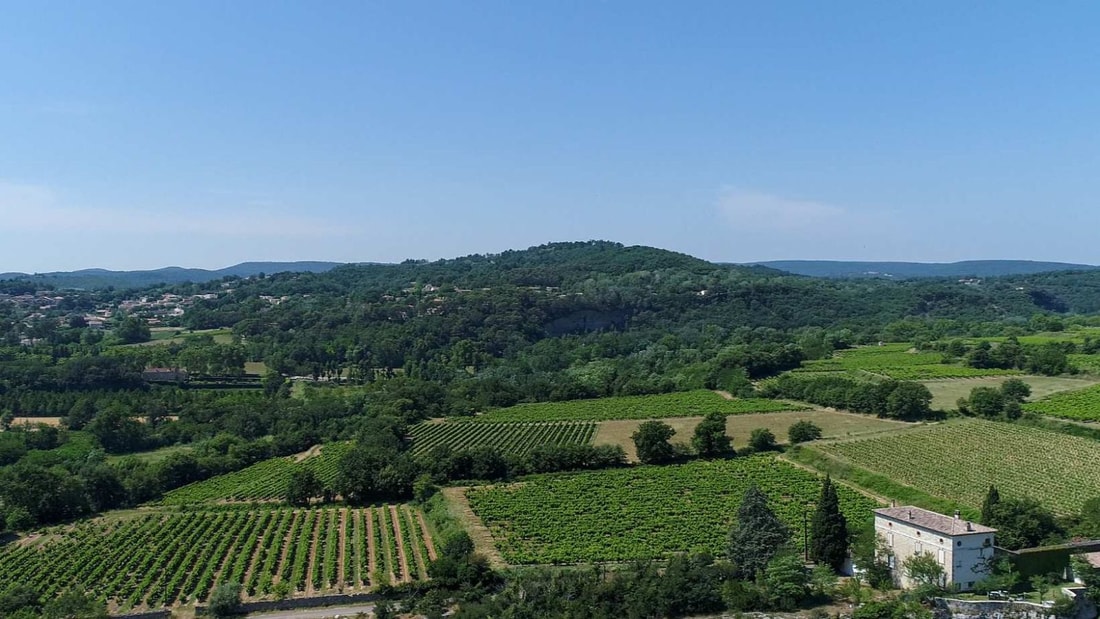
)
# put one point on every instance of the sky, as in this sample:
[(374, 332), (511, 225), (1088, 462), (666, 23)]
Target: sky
[(138, 134)]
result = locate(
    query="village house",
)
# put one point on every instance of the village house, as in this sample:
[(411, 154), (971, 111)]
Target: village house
[(962, 547)]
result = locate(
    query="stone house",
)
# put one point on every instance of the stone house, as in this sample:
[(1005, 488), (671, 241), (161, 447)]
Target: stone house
[(962, 547)]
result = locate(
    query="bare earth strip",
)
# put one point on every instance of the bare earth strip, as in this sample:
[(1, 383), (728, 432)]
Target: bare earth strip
[(341, 560), (285, 550), (372, 552), (402, 556), (314, 552), (833, 424), (427, 536), (479, 533)]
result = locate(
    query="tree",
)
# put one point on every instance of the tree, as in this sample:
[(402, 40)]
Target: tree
[(786, 581), (1015, 390), (1024, 523), (710, 438), (132, 330), (75, 604), (803, 431), (757, 536), (301, 487), (829, 529), (1089, 526), (992, 498), (986, 402), (909, 400), (762, 439), (924, 570), (225, 601), (651, 442)]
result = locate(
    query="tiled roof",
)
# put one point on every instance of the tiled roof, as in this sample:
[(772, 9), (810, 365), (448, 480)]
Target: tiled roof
[(947, 525)]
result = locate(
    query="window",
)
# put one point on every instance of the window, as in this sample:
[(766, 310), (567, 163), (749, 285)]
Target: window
[(890, 561), (959, 543), (890, 539), (918, 548), (941, 557), (970, 585)]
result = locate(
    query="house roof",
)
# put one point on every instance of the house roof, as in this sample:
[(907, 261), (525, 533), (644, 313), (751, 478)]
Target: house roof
[(939, 523), (1093, 558)]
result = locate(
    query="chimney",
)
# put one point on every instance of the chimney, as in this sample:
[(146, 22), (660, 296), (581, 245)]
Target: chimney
[(969, 527), (957, 514), (910, 514)]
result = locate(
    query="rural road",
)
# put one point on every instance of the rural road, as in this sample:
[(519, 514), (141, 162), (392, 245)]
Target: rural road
[(317, 613)]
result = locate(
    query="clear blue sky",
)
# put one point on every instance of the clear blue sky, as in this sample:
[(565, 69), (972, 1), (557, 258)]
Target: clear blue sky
[(144, 134)]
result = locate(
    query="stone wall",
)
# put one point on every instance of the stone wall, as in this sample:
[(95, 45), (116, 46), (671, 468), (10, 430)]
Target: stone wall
[(997, 609)]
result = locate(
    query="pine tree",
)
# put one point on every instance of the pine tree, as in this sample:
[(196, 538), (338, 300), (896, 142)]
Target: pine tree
[(829, 529), (990, 502), (758, 535)]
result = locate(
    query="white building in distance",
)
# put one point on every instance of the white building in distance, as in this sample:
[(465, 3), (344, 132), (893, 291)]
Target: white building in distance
[(962, 547)]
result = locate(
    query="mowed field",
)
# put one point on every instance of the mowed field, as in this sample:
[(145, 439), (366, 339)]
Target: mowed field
[(643, 511), (946, 393), (156, 559), (683, 404), (833, 425), (959, 460)]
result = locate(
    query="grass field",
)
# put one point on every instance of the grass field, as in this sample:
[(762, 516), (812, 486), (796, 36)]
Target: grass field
[(175, 335), (832, 424), (155, 455), (513, 438), (898, 361), (1083, 405), (960, 460), (945, 393), (156, 559), (683, 404), (644, 511)]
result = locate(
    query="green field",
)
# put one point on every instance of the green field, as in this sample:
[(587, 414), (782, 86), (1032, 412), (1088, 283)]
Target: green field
[(513, 438), (684, 404), (898, 361), (263, 481), (959, 460), (1086, 363), (644, 511), (1083, 405), (157, 559)]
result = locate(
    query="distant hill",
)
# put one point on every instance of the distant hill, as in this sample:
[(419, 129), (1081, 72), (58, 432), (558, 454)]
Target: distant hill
[(102, 278), (911, 270)]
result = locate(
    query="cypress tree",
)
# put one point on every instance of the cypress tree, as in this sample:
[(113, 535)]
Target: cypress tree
[(757, 536), (992, 498), (829, 529)]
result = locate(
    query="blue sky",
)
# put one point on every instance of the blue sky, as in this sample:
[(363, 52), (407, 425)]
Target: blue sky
[(144, 134)]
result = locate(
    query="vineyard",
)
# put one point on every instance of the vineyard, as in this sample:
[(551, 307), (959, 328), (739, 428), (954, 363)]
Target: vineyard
[(263, 481), (959, 461), (515, 438), (1086, 363), (896, 361), (685, 404), (1083, 404), (645, 511), (160, 559)]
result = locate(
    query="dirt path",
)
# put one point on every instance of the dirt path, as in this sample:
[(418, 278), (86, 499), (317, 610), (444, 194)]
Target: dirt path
[(836, 480), (399, 539), (372, 563), (479, 533), (285, 549), (315, 553), (307, 454), (725, 394), (428, 542), (341, 560)]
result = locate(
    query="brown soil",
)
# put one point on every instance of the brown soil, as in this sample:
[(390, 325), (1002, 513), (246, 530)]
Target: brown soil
[(725, 394), (372, 561), (285, 550), (427, 537), (309, 453), (342, 561), (399, 541), (479, 533)]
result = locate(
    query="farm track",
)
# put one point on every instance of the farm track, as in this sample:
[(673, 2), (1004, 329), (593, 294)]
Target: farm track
[(427, 536), (479, 533)]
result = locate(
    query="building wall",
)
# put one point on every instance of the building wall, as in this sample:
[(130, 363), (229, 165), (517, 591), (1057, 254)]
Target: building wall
[(960, 555)]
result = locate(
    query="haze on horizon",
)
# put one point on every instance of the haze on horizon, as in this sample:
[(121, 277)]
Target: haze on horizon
[(136, 135)]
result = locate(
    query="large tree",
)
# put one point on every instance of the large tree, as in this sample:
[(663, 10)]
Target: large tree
[(651, 442), (829, 529), (710, 437), (991, 499), (758, 535)]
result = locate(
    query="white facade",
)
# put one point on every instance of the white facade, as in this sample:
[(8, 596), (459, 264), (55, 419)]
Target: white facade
[(961, 547)]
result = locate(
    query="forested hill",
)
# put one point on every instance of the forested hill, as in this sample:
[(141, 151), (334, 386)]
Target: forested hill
[(906, 270), (90, 279)]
